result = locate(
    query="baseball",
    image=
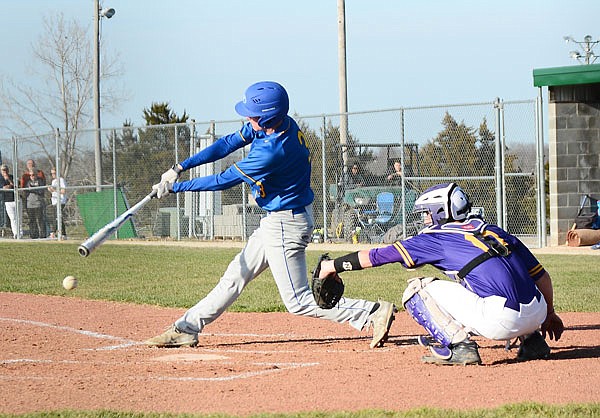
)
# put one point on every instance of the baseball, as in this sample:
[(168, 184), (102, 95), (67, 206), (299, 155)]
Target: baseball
[(70, 282)]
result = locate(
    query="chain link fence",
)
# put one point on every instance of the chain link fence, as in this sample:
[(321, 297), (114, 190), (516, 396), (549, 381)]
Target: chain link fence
[(490, 149)]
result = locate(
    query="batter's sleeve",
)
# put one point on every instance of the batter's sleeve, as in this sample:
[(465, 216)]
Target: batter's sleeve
[(220, 148), (221, 181)]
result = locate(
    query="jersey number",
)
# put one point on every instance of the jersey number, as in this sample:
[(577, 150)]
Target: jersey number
[(302, 141)]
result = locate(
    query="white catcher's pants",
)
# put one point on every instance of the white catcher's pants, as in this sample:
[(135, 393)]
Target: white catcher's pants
[(487, 316), (279, 244)]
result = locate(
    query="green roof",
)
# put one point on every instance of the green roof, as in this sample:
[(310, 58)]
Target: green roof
[(566, 76)]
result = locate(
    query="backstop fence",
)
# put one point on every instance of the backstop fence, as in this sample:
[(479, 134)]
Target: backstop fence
[(494, 150)]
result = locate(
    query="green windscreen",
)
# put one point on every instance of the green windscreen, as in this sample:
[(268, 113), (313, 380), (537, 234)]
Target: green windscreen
[(98, 208)]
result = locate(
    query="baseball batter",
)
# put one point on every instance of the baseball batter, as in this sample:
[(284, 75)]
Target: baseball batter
[(499, 289), (277, 168)]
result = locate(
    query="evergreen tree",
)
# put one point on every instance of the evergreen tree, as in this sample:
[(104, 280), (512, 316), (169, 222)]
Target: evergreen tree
[(141, 158), (459, 151)]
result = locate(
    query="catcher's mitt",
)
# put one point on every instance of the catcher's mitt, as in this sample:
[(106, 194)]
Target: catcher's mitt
[(329, 290)]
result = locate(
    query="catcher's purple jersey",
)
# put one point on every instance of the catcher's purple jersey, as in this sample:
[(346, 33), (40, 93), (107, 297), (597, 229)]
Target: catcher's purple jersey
[(452, 246)]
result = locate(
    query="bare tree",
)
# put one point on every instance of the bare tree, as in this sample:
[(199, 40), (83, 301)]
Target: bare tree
[(61, 94)]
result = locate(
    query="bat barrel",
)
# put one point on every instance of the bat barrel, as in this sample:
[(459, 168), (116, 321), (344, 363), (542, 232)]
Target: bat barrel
[(83, 251), (107, 230)]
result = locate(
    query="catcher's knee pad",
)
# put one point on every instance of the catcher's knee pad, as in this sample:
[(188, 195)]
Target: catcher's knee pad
[(419, 303)]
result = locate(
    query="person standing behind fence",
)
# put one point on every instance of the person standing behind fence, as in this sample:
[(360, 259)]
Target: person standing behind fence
[(30, 166), (34, 204), (57, 183), (3, 215), (7, 185)]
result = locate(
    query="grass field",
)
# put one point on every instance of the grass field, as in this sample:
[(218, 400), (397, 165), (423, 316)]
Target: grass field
[(179, 276)]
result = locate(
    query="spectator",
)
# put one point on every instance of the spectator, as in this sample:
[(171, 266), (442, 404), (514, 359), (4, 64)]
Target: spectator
[(7, 185), (34, 204), (3, 215), (395, 177), (30, 166), (58, 183), (354, 178)]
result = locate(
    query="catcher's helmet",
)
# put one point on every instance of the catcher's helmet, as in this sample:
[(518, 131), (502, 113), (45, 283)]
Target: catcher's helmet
[(267, 100), (445, 202)]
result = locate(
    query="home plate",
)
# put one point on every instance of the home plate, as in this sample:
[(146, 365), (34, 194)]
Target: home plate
[(191, 357)]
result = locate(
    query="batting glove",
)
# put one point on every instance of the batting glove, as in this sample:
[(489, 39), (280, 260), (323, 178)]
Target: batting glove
[(171, 175), (163, 188)]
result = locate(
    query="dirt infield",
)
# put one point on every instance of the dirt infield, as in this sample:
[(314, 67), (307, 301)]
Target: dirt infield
[(68, 353)]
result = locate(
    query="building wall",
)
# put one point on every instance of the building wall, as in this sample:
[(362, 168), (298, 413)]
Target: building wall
[(574, 154)]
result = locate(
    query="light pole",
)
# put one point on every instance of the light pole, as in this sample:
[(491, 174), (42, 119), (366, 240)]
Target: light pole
[(98, 14), (586, 45), (342, 81)]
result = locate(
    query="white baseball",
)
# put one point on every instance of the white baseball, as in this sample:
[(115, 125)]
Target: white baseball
[(70, 282)]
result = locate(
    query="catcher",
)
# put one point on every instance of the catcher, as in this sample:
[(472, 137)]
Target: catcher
[(499, 289)]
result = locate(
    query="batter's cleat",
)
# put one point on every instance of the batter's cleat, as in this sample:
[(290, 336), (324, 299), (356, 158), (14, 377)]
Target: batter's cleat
[(173, 337), (463, 353), (381, 321), (533, 347)]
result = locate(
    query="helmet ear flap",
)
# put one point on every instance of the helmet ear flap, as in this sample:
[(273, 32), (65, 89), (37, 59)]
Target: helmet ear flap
[(460, 204)]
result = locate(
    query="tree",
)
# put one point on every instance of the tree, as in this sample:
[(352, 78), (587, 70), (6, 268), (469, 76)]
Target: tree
[(62, 97), (141, 157), (460, 151)]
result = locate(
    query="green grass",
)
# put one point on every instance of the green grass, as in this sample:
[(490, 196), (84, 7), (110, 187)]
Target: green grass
[(164, 275), (522, 410)]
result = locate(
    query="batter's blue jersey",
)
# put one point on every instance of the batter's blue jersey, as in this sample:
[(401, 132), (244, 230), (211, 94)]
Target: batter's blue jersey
[(452, 246), (277, 167)]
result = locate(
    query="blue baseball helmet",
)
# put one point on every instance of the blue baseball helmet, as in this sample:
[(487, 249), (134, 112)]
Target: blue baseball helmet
[(267, 100)]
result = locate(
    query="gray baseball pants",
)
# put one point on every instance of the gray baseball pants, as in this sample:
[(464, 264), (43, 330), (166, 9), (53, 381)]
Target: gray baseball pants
[(279, 244)]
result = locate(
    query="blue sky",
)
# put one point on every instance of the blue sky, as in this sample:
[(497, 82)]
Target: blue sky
[(200, 55)]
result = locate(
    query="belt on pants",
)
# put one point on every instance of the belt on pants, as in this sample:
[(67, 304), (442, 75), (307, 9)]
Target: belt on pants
[(296, 211), (516, 306)]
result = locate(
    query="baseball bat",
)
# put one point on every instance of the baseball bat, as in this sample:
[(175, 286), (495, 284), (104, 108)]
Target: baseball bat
[(107, 230)]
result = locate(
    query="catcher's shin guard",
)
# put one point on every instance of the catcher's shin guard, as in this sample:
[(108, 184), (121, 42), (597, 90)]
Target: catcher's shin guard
[(423, 308)]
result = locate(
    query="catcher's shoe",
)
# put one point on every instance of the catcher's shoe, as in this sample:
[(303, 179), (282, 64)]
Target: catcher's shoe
[(533, 347), (173, 337), (438, 350), (381, 321), (464, 353)]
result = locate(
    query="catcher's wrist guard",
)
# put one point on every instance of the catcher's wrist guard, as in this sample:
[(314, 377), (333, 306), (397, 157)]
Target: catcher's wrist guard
[(347, 262), (329, 290)]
